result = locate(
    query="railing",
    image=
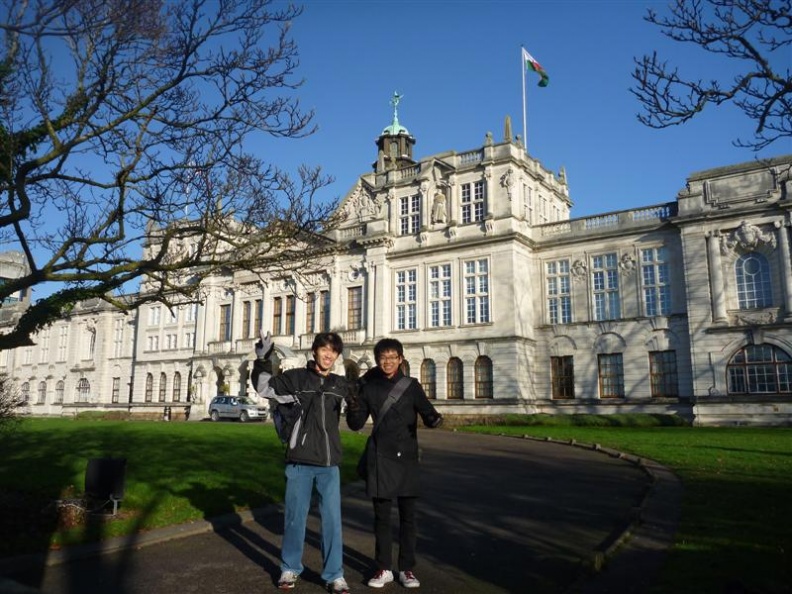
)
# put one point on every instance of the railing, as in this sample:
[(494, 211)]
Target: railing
[(626, 218), (471, 157), (609, 220), (220, 346)]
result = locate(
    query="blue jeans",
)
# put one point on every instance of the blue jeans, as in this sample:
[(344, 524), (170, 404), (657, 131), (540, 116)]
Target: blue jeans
[(300, 482)]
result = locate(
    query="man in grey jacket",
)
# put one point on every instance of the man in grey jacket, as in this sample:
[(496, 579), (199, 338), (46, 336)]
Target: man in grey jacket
[(313, 452)]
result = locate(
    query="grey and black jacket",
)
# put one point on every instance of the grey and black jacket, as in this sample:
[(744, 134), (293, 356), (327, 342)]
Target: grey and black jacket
[(315, 439)]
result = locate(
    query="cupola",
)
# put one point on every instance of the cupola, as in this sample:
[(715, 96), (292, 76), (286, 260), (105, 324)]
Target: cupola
[(395, 144)]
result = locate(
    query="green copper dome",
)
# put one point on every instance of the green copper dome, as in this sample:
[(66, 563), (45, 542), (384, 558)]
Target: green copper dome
[(395, 128)]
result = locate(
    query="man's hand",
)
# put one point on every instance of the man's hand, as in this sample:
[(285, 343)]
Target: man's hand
[(265, 345)]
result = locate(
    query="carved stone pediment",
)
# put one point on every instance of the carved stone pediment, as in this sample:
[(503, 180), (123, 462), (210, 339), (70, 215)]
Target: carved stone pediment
[(361, 205)]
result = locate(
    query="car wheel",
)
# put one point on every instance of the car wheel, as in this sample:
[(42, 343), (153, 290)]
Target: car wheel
[(215, 415), (243, 417)]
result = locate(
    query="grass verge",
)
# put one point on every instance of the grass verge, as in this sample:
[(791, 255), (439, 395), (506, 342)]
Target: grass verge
[(736, 527)]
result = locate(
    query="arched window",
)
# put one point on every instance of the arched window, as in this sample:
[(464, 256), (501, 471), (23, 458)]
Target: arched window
[(483, 371), (149, 387), (176, 386), (760, 369), (753, 281), (42, 392), (83, 390), (163, 387), (25, 392), (60, 389), (429, 378), (455, 383)]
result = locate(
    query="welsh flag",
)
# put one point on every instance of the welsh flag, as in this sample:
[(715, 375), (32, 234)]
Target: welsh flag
[(532, 64)]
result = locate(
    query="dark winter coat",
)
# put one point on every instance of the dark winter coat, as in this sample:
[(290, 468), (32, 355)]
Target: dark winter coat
[(316, 440), (393, 466)]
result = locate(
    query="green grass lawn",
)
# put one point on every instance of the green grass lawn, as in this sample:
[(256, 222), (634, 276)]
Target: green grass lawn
[(736, 527), (176, 473), (735, 533)]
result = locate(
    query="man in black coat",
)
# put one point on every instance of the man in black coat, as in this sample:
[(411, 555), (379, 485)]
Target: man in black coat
[(392, 470)]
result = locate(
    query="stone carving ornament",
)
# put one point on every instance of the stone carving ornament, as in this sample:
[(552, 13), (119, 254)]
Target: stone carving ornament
[(747, 237)]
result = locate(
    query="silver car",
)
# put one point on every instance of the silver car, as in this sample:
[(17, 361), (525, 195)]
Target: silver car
[(235, 407)]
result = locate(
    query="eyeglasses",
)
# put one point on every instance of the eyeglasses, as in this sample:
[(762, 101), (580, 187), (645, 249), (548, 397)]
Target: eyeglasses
[(388, 358)]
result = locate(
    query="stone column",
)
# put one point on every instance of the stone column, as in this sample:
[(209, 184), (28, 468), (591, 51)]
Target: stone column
[(717, 286), (786, 269)]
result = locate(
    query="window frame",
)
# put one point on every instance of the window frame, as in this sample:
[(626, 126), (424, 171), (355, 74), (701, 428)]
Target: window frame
[(455, 379), (429, 378), (562, 377), (663, 374), (610, 375), (483, 377)]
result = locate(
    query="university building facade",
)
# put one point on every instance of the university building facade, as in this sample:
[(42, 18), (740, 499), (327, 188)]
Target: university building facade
[(504, 303)]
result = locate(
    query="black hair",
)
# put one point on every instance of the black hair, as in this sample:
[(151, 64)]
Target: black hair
[(330, 339), (388, 344)]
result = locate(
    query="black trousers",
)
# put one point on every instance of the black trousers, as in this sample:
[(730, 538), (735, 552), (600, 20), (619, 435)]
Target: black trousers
[(383, 535)]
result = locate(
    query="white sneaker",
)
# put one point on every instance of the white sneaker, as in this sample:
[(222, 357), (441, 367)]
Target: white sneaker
[(287, 580), (408, 579), (382, 577), (338, 586)]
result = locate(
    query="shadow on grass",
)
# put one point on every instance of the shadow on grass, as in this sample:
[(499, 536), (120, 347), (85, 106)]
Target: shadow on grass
[(175, 473)]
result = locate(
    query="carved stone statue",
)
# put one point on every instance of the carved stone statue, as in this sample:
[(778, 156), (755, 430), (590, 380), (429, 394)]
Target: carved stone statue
[(439, 208)]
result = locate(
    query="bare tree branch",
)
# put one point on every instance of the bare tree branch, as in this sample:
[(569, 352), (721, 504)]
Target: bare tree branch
[(124, 157), (756, 34)]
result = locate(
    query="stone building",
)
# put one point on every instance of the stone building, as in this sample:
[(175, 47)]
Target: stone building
[(503, 302)]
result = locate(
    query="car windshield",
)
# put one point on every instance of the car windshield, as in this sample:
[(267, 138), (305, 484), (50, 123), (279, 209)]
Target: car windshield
[(244, 401)]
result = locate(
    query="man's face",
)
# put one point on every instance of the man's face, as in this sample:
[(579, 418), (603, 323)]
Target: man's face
[(325, 358), (389, 362)]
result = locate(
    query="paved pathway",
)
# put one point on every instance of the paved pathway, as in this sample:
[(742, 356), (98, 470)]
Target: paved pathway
[(498, 515)]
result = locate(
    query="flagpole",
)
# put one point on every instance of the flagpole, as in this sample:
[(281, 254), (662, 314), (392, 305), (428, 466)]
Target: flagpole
[(522, 68)]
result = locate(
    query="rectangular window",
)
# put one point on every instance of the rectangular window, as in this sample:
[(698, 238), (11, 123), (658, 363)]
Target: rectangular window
[(277, 315), (290, 305), (655, 281), (116, 390), (310, 312), (355, 308), (563, 377), (663, 374), (477, 298), (324, 311), (152, 343), (173, 316), (225, 322), (118, 338), (171, 340), (44, 346), (559, 299), (154, 315), (409, 214), (527, 209), (247, 306), (189, 340), (473, 202), (605, 285), (406, 295), (611, 375), (192, 312), (259, 313), (440, 295), (63, 342)]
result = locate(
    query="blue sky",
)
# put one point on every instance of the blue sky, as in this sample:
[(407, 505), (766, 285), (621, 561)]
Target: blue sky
[(457, 64)]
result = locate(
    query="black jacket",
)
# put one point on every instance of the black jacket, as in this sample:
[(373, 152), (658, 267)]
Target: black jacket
[(316, 440), (393, 460)]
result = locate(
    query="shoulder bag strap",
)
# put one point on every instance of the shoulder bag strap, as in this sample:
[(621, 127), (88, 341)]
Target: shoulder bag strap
[(394, 394)]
